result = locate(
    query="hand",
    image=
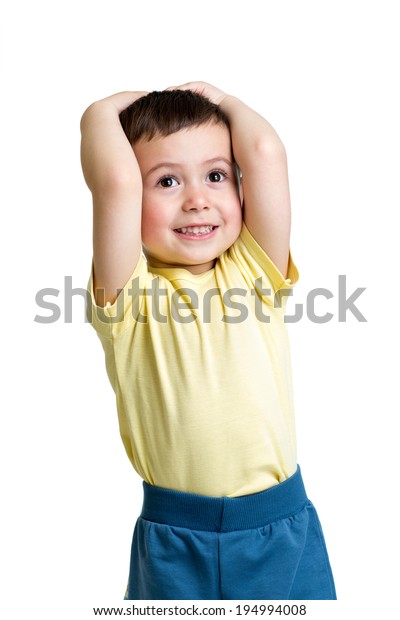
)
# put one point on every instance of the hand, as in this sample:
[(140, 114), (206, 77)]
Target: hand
[(202, 88), (120, 101)]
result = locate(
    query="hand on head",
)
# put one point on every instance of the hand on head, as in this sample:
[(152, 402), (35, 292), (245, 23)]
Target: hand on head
[(202, 88)]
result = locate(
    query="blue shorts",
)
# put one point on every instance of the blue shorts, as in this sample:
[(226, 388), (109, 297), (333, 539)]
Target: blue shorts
[(264, 546)]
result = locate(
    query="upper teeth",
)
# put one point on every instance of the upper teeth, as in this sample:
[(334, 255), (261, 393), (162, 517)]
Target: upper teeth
[(196, 229)]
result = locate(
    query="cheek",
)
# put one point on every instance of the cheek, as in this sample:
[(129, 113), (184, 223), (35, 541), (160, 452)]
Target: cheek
[(148, 222), (237, 219), (237, 212), (154, 220)]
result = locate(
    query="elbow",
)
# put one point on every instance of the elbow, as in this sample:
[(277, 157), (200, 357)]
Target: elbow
[(266, 149)]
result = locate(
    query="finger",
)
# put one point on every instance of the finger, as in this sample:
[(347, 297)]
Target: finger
[(124, 99), (187, 86)]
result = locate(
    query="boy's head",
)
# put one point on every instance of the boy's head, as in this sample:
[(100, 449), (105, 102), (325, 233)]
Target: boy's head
[(162, 113), (191, 211)]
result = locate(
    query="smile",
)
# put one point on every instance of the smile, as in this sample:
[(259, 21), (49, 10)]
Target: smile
[(195, 229), (196, 232)]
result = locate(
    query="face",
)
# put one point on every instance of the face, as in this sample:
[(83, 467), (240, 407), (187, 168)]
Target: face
[(191, 210)]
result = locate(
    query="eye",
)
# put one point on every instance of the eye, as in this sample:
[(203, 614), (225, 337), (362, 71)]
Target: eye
[(167, 182), (216, 176)]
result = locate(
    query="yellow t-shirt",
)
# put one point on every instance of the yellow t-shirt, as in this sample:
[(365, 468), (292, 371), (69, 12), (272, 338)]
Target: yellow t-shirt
[(202, 381)]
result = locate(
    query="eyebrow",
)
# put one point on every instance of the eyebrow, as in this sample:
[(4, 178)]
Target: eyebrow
[(171, 164)]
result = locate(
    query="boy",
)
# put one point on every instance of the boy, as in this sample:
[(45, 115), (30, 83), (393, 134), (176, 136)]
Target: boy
[(195, 343)]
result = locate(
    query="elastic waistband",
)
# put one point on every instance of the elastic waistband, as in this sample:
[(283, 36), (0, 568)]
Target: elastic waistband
[(224, 514)]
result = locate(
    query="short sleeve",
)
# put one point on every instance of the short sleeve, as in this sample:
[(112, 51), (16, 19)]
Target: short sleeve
[(252, 259), (112, 319)]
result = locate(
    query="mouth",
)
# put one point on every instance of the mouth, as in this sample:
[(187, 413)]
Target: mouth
[(196, 232)]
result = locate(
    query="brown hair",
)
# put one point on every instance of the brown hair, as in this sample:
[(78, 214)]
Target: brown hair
[(168, 111)]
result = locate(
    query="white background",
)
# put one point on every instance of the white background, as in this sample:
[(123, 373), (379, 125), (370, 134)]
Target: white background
[(325, 74)]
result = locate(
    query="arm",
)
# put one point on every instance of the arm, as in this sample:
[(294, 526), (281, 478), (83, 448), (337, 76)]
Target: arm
[(261, 157), (113, 176)]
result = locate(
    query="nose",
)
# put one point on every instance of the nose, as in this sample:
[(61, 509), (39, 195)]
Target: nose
[(195, 200)]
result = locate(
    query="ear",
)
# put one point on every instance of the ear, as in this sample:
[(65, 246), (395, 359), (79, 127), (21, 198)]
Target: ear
[(239, 183), (241, 191)]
